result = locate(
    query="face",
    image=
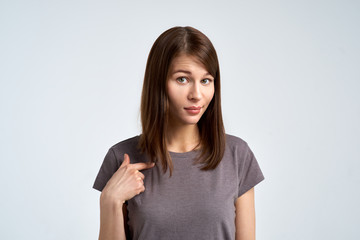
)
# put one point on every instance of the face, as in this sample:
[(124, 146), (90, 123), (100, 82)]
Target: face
[(190, 90)]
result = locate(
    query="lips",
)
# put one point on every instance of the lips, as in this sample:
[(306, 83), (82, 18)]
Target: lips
[(193, 108)]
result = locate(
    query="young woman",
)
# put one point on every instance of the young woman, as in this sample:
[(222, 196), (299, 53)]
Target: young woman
[(183, 177)]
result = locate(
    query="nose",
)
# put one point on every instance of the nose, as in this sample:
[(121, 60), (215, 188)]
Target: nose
[(195, 92)]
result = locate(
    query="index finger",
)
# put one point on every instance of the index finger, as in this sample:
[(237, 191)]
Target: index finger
[(142, 166)]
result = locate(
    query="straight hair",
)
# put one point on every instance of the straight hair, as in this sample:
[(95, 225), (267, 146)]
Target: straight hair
[(154, 108)]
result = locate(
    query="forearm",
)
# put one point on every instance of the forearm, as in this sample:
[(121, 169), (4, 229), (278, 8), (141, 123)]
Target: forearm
[(245, 216), (111, 220)]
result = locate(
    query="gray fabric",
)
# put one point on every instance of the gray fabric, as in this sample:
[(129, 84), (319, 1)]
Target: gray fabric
[(192, 204)]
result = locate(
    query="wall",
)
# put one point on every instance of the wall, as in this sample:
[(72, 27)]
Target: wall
[(71, 76)]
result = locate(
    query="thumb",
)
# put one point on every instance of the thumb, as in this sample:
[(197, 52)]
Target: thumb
[(126, 160)]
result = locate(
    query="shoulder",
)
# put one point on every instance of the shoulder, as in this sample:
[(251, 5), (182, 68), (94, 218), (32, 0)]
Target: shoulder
[(238, 149), (127, 143), (128, 146), (235, 143)]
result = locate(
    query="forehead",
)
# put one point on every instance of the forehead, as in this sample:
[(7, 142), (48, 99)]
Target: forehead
[(186, 61)]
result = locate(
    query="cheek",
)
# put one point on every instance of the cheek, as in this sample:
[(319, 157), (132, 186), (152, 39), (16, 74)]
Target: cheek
[(210, 95), (174, 96)]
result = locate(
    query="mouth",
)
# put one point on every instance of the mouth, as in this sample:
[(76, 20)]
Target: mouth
[(193, 110)]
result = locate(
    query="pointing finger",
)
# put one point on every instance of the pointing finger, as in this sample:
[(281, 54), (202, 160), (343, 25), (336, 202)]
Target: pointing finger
[(142, 166)]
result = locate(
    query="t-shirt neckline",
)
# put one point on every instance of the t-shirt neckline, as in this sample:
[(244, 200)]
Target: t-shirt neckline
[(189, 154)]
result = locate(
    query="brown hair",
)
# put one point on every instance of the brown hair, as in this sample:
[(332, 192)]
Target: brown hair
[(154, 99)]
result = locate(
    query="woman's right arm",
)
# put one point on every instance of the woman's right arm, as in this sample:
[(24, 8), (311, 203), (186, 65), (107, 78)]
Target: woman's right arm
[(111, 220), (126, 182)]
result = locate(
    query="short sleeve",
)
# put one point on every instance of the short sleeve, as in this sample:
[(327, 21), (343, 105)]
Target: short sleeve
[(109, 166), (250, 173)]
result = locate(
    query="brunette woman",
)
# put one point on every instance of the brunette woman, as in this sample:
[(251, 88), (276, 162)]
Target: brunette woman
[(182, 177)]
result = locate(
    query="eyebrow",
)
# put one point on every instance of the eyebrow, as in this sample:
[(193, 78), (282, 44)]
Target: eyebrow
[(188, 72)]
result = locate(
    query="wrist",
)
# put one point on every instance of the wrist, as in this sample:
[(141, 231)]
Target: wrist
[(107, 200)]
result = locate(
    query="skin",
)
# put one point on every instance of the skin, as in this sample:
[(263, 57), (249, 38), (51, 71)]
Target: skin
[(125, 183), (188, 84), (245, 216)]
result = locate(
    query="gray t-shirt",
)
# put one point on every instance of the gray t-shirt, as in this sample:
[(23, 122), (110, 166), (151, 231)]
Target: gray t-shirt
[(192, 204)]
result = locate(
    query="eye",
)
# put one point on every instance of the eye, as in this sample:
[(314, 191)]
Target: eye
[(206, 81), (181, 79)]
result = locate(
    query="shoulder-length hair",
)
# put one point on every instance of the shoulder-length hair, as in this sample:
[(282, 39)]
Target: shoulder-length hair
[(154, 99)]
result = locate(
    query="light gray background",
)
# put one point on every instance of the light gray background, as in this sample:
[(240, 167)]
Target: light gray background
[(71, 76)]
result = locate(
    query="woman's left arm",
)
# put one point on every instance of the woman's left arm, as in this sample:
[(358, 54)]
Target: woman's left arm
[(245, 216)]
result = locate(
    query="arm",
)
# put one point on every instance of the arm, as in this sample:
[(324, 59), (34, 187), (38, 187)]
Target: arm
[(125, 183), (111, 217), (245, 216)]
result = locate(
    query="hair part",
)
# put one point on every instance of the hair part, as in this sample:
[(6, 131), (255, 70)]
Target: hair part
[(154, 99)]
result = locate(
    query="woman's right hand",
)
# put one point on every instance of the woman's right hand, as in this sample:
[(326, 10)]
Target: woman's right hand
[(126, 182)]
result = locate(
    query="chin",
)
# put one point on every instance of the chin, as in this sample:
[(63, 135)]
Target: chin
[(186, 120), (191, 121)]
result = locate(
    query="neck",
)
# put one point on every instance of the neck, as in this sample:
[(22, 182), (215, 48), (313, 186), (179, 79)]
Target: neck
[(182, 138)]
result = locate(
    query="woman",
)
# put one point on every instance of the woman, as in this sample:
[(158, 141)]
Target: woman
[(208, 192)]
